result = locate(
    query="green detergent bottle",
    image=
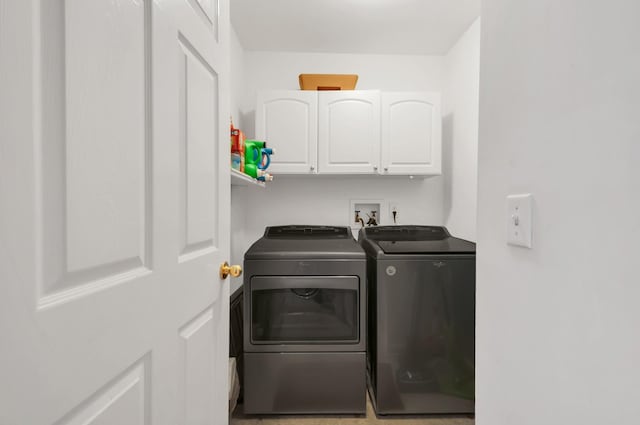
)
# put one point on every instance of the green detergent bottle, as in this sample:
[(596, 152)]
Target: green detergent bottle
[(252, 152)]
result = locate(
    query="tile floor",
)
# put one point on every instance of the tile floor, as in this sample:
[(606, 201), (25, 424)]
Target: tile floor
[(370, 419)]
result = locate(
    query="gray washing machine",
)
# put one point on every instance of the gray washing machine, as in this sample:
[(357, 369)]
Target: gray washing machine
[(421, 320), (305, 322)]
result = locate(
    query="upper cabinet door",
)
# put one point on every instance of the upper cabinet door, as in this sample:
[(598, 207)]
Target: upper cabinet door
[(411, 133), (288, 121), (349, 132)]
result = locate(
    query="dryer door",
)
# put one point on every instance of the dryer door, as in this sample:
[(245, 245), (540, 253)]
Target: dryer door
[(307, 310)]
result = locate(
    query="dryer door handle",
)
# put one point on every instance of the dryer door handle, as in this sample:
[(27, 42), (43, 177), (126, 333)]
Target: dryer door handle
[(264, 283)]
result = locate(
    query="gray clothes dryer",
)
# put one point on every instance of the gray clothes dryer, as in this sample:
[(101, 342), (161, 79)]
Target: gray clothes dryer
[(305, 322), (421, 320)]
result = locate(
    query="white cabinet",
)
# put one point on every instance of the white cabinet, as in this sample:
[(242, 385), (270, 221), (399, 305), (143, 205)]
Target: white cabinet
[(348, 132), (288, 121), (351, 132), (411, 133)]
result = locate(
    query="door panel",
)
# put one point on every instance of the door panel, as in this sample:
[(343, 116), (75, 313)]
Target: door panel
[(125, 400), (411, 133), (95, 145), (105, 134), (198, 354), (405, 116), (288, 121), (114, 192), (349, 132), (208, 11), (199, 138)]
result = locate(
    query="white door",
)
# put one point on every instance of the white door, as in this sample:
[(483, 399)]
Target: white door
[(288, 121), (349, 132), (114, 194), (411, 133)]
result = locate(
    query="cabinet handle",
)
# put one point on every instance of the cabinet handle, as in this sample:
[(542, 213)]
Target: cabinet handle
[(386, 170), (312, 168), (375, 168)]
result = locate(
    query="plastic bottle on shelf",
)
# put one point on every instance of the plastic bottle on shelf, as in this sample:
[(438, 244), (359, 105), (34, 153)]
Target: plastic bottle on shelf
[(257, 152), (241, 147), (252, 170), (265, 177), (237, 151), (235, 139)]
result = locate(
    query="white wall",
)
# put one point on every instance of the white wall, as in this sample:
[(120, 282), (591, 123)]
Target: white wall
[(460, 134), (280, 70), (237, 78), (326, 200), (558, 326)]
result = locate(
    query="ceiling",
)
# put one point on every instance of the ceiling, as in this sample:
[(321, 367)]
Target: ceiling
[(423, 27)]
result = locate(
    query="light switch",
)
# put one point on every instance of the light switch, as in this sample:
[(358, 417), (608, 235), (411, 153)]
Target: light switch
[(519, 215)]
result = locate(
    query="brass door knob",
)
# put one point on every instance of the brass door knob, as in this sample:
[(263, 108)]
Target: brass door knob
[(226, 270)]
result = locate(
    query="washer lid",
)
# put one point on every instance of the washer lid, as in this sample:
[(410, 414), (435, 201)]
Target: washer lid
[(416, 240), (446, 246), (405, 233)]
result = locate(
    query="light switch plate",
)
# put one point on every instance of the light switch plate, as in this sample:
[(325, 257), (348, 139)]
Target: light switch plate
[(519, 217)]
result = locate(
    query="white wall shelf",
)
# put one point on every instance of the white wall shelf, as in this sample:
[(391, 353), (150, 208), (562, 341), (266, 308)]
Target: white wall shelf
[(241, 179)]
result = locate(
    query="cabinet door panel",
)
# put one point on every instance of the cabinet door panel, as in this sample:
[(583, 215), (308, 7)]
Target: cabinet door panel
[(411, 133), (348, 132), (288, 121)]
